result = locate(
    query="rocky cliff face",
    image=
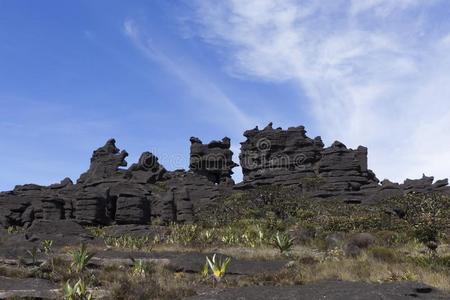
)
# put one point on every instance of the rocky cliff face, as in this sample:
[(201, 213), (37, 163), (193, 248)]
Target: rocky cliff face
[(146, 192)]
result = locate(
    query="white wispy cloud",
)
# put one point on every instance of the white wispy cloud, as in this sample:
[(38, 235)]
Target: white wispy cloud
[(210, 97), (376, 72)]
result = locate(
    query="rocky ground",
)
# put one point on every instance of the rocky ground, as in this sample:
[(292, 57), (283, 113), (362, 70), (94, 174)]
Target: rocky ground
[(308, 221), (330, 290), (173, 267)]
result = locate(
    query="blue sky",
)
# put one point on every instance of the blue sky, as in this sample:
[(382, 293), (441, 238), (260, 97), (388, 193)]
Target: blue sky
[(154, 73)]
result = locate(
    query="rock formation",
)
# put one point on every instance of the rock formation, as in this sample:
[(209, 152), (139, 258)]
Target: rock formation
[(276, 156), (289, 157), (146, 192), (213, 160)]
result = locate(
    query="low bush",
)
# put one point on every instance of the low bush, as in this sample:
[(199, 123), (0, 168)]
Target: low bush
[(384, 254), (283, 242)]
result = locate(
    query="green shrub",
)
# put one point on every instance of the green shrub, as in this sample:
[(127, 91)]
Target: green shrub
[(266, 203), (384, 254), (33, 253), (141, 268), (427, 214), (183, 233), (78, 291), (434, 262), (47, 246), (80, 258), (283, 242), (218, 267), (389, 238), (96, 231)]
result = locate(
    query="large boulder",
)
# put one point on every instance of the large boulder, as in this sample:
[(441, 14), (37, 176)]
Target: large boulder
[(62, 232), (28, 202)]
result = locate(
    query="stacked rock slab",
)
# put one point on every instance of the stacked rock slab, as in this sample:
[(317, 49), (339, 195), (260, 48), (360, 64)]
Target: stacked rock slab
[(276, 156), (345, 172), (108, 193), (424, 185), (213, 160), (26, 203), (290, 158)]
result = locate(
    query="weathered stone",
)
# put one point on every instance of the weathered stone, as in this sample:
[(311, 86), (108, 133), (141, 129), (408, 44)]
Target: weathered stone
[(91, 206), (105, 163), (53, 209), (132, 205), (147, 193), (271, 153), (213, 160), (147, 170), (62, 232)]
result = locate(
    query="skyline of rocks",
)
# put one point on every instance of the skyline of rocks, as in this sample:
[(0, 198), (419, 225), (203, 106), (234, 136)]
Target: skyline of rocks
[(146, 192)]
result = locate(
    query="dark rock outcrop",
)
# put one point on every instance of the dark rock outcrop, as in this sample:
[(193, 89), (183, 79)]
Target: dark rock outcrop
[(61, 232), (26, 203), (276, 156), (344, 172), (213, 160), (147, 170), (108, 193), (105, 163), (290, 158)]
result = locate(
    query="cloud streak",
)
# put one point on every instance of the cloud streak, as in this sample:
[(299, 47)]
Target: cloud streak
[(209, 94), (375, 72)]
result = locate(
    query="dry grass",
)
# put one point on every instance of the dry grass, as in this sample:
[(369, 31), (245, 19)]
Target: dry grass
[(378, 264), (365, 268), (14, 271), (159, 283)]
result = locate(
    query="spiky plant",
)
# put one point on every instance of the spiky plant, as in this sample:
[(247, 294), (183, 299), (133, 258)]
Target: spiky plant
[(47, 246), (140, 268), (78, 291), (283, 242), (80, 258), (218, 267), (205, 270), (33, 254)]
